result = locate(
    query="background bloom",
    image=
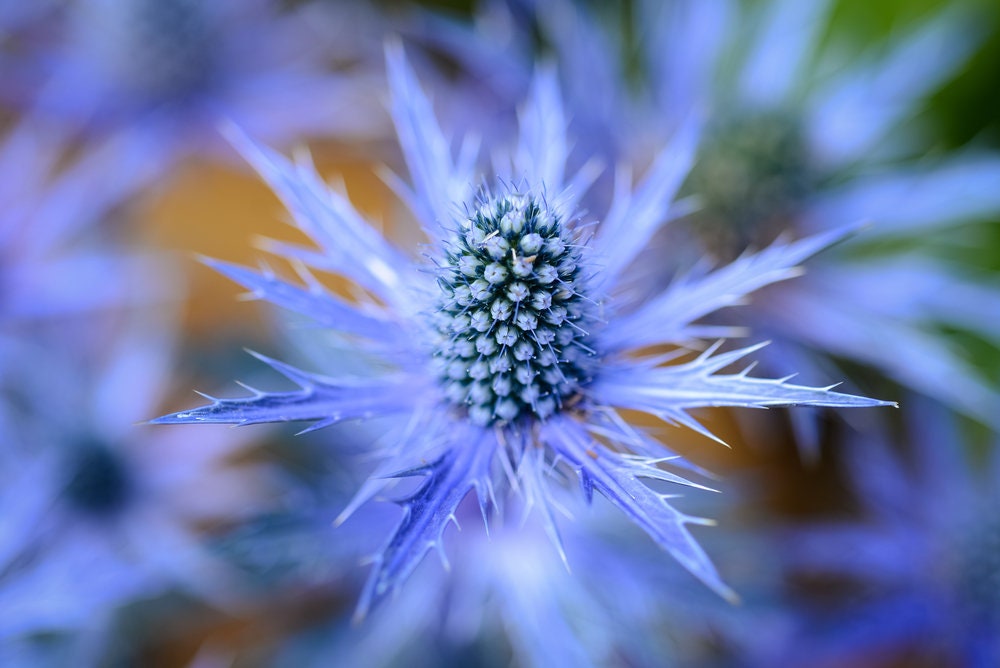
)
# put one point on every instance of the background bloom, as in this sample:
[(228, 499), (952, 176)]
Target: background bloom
[(918, 569), (161, 76), (55, 262), (96, 520), (800, 141)]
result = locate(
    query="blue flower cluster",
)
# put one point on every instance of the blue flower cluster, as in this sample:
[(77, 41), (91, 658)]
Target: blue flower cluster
[(593, 222), (512, 339)]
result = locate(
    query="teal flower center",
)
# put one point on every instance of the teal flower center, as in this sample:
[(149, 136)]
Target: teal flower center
[(753, 172), (98, 482), (512, 319), (170, 49), (978, 568)]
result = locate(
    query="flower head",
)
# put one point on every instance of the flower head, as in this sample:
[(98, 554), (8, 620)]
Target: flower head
[(162, 74), (803, 140), (513, 316), (515, 349), (96, 518), (920, 569), (752, 175)]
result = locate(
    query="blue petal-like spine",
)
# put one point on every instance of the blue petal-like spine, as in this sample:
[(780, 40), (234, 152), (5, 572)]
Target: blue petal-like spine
[(617, 477), (426, 514), (325, 400)]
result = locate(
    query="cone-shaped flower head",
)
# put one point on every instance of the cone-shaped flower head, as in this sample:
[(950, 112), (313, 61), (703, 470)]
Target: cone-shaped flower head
[(513, 315), (505, 361)]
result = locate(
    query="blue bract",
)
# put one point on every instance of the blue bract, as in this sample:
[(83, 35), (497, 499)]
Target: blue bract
[(506, 362)]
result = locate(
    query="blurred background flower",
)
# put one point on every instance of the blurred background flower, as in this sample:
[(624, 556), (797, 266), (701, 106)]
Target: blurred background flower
[(98, 518), (122, 545), (163, 73), (911, 572)]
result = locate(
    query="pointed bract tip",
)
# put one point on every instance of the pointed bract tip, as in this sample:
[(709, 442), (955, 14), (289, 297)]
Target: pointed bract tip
[(731, 597), (237, 137), (163, 419), (180, 417), (207, 260), (395, 55)]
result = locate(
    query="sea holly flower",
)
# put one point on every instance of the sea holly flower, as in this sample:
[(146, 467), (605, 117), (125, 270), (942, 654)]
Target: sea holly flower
[(918, 570), (52, 263), (161, 74), (98, 516), (512, 350), (801, 139)]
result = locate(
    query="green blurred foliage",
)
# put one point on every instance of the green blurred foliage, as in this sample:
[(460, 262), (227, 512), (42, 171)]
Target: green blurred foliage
[(967, 108)]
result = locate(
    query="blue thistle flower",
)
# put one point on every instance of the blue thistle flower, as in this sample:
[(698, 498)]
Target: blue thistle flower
[(515, 349), (919, 570), (161, 74), (53, 263), (802, 140), (95, 518)]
